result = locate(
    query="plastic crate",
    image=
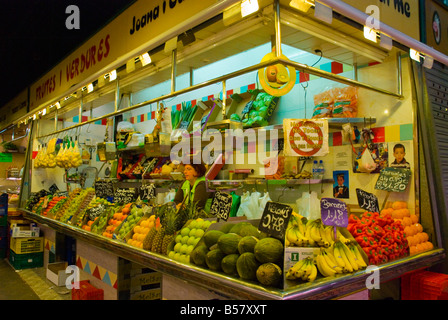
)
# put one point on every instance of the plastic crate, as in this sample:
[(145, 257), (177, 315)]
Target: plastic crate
[(424, 285), (87, 291), (27, 260), (27, 245)]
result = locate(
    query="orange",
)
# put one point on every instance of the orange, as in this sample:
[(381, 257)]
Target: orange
[(125, 210), (425, 236), (406, 221), (430, 246), (419, 227), (414, 218), (407, 231), (420, 247), (410, 240), (405, 212), (412, 250)]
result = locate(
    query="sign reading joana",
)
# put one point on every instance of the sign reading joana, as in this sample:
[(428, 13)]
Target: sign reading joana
[(304, 137), (132, 29)]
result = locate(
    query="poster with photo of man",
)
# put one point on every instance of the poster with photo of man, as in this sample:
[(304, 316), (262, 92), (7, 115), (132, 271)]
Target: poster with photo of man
[(341, 186)]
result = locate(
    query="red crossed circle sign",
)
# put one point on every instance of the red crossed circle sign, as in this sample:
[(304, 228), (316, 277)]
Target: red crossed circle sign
[(310, 142)]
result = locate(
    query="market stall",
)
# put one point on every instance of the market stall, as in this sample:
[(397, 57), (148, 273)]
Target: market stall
[(311, 135)]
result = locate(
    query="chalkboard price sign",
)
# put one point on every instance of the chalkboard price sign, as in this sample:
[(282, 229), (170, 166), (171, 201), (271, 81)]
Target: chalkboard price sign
[(104, 189), (147, 191), (221, 205), (393, 179), (124, 195), (274, 219), (333, 212), (95, 211), (367, 201)]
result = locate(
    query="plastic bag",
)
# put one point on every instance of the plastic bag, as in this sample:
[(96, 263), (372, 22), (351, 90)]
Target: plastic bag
[(323, 104), (309, 205), (366, 162), (262, 203), (169, 196), (345, 102)]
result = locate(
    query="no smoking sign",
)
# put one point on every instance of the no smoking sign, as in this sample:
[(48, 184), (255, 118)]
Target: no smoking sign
[(306, 137)]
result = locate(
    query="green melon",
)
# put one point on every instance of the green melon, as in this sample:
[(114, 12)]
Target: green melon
[(226, 227), (247, 266), (228, 264), (247, 244), (228, 243), (236, 228), (197, 256), (269, 274), (211, 237), (250, 230), (213, 259), (269, 250)]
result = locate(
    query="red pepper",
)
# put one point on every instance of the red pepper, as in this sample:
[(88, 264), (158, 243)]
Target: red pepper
[(364, 241), (358, 232), (353, 218), (378, 230), (369, 231)]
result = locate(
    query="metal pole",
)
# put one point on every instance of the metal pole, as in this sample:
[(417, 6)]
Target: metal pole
[(224, 98), (278, 39), (173, 70), (399, 75)]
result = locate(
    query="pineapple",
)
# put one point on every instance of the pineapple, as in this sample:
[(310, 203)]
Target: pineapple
[(158, 239), (147, 243), (170, 228)]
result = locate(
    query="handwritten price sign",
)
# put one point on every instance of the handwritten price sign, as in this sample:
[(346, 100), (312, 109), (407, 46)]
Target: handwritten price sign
[(221, 205), (367, 201), (393, 179), (333, 212), (275, 219)]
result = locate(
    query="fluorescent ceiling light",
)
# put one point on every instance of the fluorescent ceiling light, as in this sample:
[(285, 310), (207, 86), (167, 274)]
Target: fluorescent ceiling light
[(385, 42), (428, 62), (370, 34), (145, 59), (301, 5), (113, 75), (248, 7), (415, 55), (322, 12), (90, 88)]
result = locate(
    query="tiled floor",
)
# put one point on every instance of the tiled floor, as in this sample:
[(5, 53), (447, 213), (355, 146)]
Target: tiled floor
[(28, 284)]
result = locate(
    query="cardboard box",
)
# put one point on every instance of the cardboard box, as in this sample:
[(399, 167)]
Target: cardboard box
[(24, 230), (295, 254), (56, 273)]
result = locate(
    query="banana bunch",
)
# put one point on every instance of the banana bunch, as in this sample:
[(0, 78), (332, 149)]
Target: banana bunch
[(295, 231), (305, 270), (302, 175), (340, 258)]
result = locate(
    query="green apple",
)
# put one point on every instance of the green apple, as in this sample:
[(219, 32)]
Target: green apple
[(184, 239), (192, 232), (178, 238), (184, 248), (199, 233), (171, 254), (185, 231), (192, 224), (189, 249), (177, 247)]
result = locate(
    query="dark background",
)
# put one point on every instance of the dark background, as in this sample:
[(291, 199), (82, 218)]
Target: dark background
[(34, 38)]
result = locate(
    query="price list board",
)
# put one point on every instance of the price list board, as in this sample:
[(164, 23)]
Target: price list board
[(274, 219), (221, 205)]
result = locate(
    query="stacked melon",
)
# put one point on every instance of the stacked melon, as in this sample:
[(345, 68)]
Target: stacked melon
[(242, 251)]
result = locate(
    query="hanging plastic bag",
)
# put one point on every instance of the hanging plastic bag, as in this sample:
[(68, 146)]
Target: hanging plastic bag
[(366, 162), (309, 205), (236, 201), (169, 196), (262, 203), (243, 204)]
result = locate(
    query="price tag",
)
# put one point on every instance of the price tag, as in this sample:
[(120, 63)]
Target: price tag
[(221, 205), (124, 195), (104, 188), (95, 211), (147, 191), (274, 219), (393, 179), (367, 201), (333, 212)]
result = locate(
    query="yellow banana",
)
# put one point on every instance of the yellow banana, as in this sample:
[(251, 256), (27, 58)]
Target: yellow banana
[(312, 276), (358, 256), (291, 235), (287, 243), (338, 258), (342, 238), (290, 275), (302, 225), (325, 241), (311, 242), (314, 233), (329, 231), (341, 253), (306, 270), (298, 268), (350, 257), (323, 267), (331, 262)]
